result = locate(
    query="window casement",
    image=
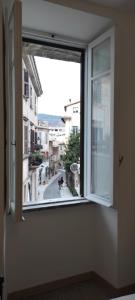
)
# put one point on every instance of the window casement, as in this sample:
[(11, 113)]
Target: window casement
[(26, 86), (14, 108), (99, 116), (75, 129), (97, 109)]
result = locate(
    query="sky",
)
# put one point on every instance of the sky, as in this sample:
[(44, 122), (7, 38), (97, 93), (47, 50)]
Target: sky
[(60, 82)]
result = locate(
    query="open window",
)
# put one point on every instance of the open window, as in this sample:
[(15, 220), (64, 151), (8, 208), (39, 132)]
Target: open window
[(99, 120), (95, 163)]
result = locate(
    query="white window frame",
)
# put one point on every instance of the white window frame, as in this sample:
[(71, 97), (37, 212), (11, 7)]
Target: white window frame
[(88, 196), (14, 101), (88, 112)]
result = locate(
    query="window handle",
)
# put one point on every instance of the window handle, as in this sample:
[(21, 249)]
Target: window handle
[(13, 143), (23, 219), (121, 158)]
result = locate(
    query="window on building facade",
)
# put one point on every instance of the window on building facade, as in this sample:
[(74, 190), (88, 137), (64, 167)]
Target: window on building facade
[(35, 105), (75, 109), (86, 171), (75, 129), (25, 139), (26, 83), (31, 98)]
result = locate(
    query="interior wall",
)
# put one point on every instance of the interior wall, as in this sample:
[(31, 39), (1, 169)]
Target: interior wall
[(62, 21), (115, 242), (51, 244), (105, 244), (62, 242), (58, 243), (126, 220)]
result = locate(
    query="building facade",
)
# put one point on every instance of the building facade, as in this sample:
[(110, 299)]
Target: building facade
[(72, 118), (31, 91)]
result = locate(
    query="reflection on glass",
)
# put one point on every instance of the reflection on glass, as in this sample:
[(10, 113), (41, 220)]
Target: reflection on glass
[(101, 58), (101, 103)]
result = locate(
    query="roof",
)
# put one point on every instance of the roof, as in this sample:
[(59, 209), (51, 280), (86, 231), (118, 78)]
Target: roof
[(53, 120), (33, 73), (70, 104)]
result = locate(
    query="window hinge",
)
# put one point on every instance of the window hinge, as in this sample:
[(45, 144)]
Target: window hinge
[(13, 143)]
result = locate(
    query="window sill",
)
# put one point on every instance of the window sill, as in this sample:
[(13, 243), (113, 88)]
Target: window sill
[(99, 200), (55, 203)]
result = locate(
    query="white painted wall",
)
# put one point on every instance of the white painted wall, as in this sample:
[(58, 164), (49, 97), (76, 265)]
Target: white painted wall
[(64, 21), (106, 243), (49, 245), (126, 179)]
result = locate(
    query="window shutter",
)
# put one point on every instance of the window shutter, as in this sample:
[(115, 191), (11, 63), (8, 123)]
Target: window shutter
[(26, 83), (32, 140), (25, 139), (35, 137), (14, 100)]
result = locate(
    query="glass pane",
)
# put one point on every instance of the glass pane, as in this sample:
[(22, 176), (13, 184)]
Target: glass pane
[(51, 112), (101, 58), (101, 136)]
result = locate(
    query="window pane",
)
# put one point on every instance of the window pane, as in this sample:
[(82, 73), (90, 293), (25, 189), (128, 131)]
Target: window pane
[(101, 136), (26, 76), (101, 58), (52, 117)]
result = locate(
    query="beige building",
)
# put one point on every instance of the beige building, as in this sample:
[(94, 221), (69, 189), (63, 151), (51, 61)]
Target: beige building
[(43, 144), (43, 138), (72, 118), (31, 87)]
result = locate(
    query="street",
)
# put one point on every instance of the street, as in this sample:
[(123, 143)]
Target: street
[(52, 191)]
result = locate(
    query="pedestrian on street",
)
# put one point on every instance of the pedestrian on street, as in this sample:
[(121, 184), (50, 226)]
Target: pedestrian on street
[(62, 181), (59, 184)]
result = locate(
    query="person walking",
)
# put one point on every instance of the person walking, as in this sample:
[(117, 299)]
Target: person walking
[(60, 183)]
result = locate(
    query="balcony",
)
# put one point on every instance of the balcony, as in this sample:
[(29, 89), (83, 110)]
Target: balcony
[(35, 160), (37, 147)]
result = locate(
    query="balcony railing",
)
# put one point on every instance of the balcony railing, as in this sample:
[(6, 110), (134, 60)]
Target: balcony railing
[(35, 160), (36, 147)]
